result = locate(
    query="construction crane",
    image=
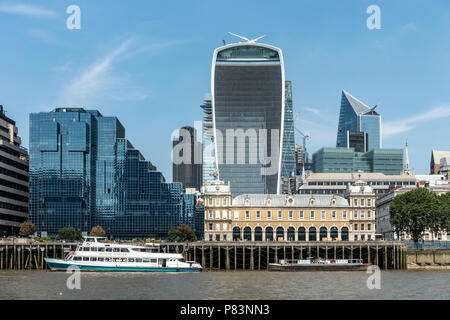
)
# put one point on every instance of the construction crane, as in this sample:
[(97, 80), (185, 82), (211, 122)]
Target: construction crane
[(306, 137)]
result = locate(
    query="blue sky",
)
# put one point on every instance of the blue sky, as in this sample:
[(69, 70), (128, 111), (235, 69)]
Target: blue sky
[(149, 64)]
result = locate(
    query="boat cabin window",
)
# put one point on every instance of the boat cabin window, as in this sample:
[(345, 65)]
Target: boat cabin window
[(93, 258), (124, 259), (124, 250), (90, 240), (76, 258), (108, 249), (153, 260), (146, 260), (131, 260), (101, 249), (138, 259), (85, 248), (116, 259), (85, 258), (100, 259), (93, 248), (116, 249), (107, 259)]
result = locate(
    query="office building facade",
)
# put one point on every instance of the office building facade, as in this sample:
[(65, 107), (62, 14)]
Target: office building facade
[(288, 161), (209, 170), (84, 172), (355, 116), (187, 158), (13, 178), (248, 100), (339, 160)]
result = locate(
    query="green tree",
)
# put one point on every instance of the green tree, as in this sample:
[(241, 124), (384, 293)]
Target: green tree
[(172, 236), (69, 234), (413, 212), (27, 229), (444, 204), (183, 233), (97, 231)]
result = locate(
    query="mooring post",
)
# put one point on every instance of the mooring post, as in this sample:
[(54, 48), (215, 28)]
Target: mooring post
[(309, 251), (385, 258), (210, 258), (351, 252), (335, 248), (360, 253), (276, 254), (326, 252), (252, 261), (218, 257), (235, 258), (6, 257), (394, 260), (1, 259), (343, 252), (292, 253), (368, 254), (284, 252), (54, 251), (227, 259), (376, 257), (301, 253), (22, 266), (203, 257), (268, 257), (243, 257), (318, 251), (259, 257)]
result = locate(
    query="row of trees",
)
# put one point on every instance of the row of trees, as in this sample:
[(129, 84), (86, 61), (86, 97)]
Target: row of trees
[(419, 210), (181, 234)]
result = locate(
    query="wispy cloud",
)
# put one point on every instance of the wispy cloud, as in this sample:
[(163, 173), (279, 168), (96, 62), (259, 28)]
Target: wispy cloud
[(313, 110), (95, 79), (395, 127), (26, 10)]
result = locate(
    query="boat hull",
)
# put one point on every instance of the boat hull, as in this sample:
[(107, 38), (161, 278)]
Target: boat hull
[(61, 265), (318, 267)]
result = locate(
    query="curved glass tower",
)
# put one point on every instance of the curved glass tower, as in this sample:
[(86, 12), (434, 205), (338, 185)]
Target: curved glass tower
[(248, 99)]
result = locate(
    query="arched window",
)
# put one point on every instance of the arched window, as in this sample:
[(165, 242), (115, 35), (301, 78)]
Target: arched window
[(334, 233), (323, 233), (236, 233), (248, 233), (269, 234), (280, 233), (301, 234), (312, 234), (344, 234), (258, 234), (291, 234)]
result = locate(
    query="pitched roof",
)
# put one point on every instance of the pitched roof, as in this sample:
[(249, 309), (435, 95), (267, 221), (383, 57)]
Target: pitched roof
[(438, 155), (299, 200)]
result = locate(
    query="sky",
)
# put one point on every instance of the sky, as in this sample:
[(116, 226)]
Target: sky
[(149, 64)]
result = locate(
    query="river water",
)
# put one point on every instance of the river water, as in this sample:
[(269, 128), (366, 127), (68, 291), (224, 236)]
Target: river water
[(245, 285)]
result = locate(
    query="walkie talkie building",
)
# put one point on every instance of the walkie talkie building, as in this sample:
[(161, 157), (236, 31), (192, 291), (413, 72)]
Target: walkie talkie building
[(248, 99)]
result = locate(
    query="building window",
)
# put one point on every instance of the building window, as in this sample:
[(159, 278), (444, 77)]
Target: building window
[(217, 202), (258, 215), (217, 214), (369, 202), (224, 214), (362, 202), (333, 214), (269, 215), (344, 215), (291, 215), (301, 215), (369, 237), (224, 237), (312, 215), (280, 215), (224, 202), (217, 226), (355, 202), (362, 214), (210, 214), (324, 215), (355, 227), (210, 237), (356, 215), (369, 227), (224, 227), (247, 215), (210, 202), (363, 237), (236, 215), (356, 237), (210, 226), (362, 227), (217, 237), (369, 213)]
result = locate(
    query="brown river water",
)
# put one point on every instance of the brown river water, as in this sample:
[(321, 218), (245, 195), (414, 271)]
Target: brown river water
[(245, 285)]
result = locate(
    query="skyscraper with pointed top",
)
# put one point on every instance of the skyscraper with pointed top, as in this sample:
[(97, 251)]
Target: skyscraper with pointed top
[(358, 122)]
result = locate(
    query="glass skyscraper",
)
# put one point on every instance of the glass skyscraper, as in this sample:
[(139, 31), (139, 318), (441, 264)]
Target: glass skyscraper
[(208, 154), (84, 172), (248, 96), (355, 116), (288, 162)]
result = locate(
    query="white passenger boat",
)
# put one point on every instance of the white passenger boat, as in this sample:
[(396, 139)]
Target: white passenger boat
[(94, 255)]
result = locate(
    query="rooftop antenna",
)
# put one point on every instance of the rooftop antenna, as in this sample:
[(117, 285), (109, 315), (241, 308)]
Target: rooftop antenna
[(247, 39), (224, 43)]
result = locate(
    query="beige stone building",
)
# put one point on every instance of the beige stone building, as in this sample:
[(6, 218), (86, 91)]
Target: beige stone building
[(258, 217)]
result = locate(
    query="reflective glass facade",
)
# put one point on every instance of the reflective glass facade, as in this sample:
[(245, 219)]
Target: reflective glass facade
[(357, 117), (248, 89), (338, 160), (83, 172), (208, 154)]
